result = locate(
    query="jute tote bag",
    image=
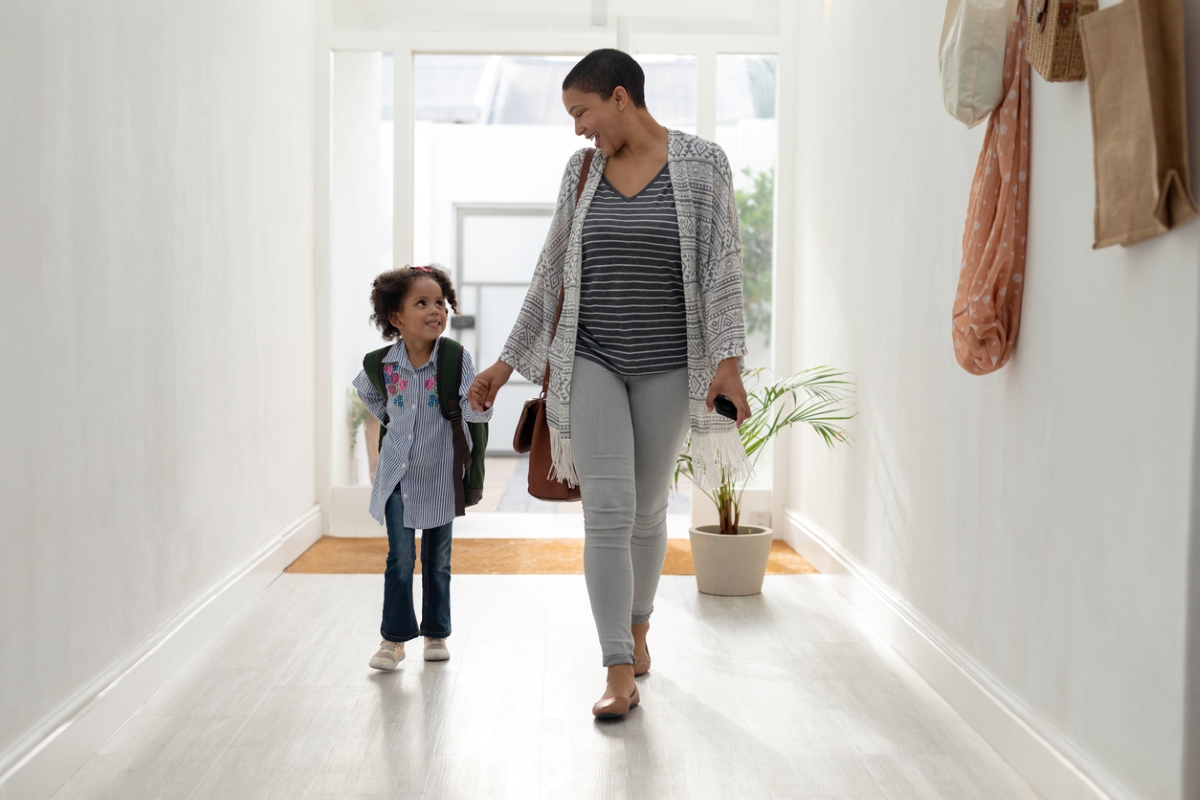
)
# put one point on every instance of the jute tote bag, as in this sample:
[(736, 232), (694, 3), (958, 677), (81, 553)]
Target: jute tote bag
[(987, 308), (1134, 55)]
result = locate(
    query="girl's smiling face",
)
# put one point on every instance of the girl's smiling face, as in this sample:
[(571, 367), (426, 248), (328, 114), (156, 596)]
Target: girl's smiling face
[(422, 314)]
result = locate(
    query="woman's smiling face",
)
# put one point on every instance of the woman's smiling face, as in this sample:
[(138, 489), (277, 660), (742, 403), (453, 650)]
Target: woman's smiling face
[(598, 119)]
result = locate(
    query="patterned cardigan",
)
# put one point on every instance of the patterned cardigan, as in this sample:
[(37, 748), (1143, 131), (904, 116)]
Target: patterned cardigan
[(711, 250)]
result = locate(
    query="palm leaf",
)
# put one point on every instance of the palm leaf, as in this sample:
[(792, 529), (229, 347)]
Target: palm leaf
[(820, 397)]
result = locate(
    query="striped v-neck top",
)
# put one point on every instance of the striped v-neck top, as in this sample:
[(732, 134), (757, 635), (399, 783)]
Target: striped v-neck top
[(632, 311)]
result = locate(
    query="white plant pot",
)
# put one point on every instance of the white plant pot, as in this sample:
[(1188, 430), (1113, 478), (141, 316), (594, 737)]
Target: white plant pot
[(730, 565)]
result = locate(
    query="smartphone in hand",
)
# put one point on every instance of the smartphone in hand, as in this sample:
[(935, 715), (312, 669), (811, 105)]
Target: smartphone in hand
[(725, 407)]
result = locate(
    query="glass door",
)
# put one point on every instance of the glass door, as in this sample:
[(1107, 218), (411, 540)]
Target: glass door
[(490, 141), (498, 248)]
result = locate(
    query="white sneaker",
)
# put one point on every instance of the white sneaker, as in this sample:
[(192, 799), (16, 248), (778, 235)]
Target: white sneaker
[(388, 656), (436, 650)]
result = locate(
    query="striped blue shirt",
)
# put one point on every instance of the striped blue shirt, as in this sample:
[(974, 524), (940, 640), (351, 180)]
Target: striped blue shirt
[(418, 450)]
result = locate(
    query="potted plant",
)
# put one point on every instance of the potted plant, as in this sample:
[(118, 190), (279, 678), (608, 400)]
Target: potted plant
[(730, 558)]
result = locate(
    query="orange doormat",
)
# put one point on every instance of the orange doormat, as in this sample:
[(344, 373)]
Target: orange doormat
[(335, 555)]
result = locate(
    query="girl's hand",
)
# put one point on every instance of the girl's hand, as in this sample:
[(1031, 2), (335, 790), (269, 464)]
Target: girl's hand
[(728, 381), (482, 393)]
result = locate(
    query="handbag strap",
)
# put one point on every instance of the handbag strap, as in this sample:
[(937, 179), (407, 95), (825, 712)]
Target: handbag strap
[(583, 173), (583, 176)]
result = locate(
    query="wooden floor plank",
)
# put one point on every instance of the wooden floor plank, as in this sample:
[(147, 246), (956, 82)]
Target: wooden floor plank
[(746, 698)]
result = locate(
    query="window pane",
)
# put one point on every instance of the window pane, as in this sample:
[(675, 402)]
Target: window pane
[(671, 90), (748, 132), (502, 248), (502, 305), (745, 88), (491, 90), (490, 141)]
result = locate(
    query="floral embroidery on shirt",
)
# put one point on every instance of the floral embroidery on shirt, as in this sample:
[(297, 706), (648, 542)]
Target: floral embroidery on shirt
[(431, 383), (433, 399), (395, 384)]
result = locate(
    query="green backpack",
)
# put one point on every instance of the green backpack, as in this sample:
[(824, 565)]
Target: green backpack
[(468, 462)]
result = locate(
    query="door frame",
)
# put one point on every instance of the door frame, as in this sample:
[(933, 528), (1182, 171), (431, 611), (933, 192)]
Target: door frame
[(404, 44)]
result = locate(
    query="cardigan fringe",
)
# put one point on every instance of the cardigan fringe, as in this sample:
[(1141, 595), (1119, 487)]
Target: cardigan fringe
[(718, 457), (562, 466)]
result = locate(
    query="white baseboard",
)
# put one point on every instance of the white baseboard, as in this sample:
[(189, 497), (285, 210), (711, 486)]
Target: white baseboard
[(1051, 764), (39, 763)]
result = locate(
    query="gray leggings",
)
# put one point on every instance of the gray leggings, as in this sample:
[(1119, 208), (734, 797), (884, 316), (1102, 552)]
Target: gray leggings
[(625, 435)]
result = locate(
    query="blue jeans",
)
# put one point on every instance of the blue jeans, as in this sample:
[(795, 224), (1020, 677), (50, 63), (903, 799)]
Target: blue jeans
[(399, 619)]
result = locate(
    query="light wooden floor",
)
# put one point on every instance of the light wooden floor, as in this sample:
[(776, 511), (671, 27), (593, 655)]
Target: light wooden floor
[(781, 695)]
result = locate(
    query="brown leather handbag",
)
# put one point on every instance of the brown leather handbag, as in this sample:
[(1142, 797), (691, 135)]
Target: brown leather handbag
[(532, 435)]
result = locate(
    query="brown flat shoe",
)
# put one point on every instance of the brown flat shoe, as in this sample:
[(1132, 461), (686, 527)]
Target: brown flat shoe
[(615, 707)]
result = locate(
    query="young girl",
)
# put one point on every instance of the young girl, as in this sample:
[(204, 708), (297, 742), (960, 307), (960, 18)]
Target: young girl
[(414, 481)]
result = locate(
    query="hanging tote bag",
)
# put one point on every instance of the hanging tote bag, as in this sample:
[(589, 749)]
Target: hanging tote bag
[(532, 435), (987, 307), (1134, 54), (971, 57), (1055, 48)]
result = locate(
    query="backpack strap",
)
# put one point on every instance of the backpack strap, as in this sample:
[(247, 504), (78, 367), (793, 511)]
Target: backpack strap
[(449, 376), (373, 366)]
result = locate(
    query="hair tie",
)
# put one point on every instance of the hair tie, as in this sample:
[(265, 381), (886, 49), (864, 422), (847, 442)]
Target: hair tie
[(422, 269)]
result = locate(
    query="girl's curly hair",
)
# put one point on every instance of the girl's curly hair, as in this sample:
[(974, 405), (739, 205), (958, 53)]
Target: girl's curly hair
[(389, 290)]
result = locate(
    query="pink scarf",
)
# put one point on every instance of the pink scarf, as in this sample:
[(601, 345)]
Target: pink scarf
[(987, 308)]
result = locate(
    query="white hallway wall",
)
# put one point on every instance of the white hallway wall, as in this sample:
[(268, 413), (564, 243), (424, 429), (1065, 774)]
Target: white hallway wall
[(1037, 518), (156, 320)]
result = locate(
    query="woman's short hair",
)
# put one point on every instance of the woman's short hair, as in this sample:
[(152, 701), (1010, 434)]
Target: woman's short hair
[(602, 71), (389, 290)]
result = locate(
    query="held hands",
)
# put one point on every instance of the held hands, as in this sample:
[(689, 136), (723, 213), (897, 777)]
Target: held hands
[(728, 381), (482, 394)]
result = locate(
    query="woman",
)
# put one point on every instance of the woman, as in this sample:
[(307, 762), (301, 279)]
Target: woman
[(651, 331)]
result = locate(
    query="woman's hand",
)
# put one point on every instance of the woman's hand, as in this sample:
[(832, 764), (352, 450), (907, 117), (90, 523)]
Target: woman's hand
[(482, 393), (728, 381)]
